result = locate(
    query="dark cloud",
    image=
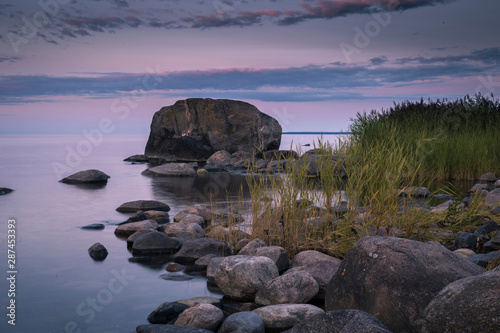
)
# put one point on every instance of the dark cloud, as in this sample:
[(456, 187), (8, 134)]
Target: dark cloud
[(378, 60), (490, 56), (10, 59)]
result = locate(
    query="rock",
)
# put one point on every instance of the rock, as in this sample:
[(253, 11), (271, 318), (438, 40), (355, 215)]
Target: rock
[(466, 253), (195, 128), (171, 170), (200, 210), (221, 157), (176, 276), (135, 206), (251, 247), (243, 322), (131, 239), (98, 252), (93, 226), (322, 272), (466, 305), (493, 197), (240, 245), (465, 240), (155, 243), (136, 217), (478, 187), (202, 263), (91, 176), (202, 300), (166, 312), (315, 162), (240, 277), (486, 259), (130, 228), (5, 190), (341, 321), (495, 210), (415, 192), (311, 256), (443, 196), (192, 218), (292, 288), (497, 184), (204, 316), (279, 155), (486, 228), (174, 229), (381, 274), (260, 164), (215, 167), (156, 328), (140, 158), (442, 207), (213, 264), (202, 172), (174, 267), (278, 318), (493, 244), (488, 177), (276, 254), (194, 249)]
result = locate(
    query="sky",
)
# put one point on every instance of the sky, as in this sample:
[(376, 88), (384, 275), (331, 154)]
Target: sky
[(69, 67)]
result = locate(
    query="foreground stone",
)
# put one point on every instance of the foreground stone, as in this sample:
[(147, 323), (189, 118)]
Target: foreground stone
[(125, 230), (98, 252), (493, 197), (194, 249), (485, 259), (240, 277), (195, 128), (342, 321), (278, 318), (295, 287), (166, 312), (91, 176), (171, 170), (155, 243), (251, 247), (322, 272), (154, 328), (244, 322), (144, 205), (204, 316), (311, 256), (276, 254), (466, 305), (5, 190), (202, 300), (394, 279)]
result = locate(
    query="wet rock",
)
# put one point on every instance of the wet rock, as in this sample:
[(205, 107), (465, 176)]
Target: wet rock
[(98, 252), (93, 226), (486, 259), (488, 177), (341, 321), (131, 239), (380, 274), (174, 229), (128, 229), (244, 322), (278, 318), (174, 267), (204, 316), (194, 249), (465, 240), (493, 197), (292, 288), (5, 190), (158, 328), (166, 312), (91, 176), (466, 305), (144, 205), (155, 243), (176, 276), (171, 170), (240, 277), (251, 247), (311, 256), (140, 158), (276, 254)]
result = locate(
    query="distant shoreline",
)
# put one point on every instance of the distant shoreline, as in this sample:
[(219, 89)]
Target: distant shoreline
[(317, 133)]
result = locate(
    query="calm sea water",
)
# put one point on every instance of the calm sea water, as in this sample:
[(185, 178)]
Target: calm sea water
[(59, 288)]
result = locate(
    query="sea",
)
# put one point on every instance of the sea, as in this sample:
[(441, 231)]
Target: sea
[(50, 284)]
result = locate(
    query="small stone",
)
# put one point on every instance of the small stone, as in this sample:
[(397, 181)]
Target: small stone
[(488, 177), (5, 190), (496, 210), (135, 206), (93, 226), (493, 244), (98, 252), (310, 256), (202, 172), (486, 228), (174, 267), (465, 240), (176, 276), (130, 228), (192, 218), (466, 253), (91, 176), (251, 247), (171, 170)]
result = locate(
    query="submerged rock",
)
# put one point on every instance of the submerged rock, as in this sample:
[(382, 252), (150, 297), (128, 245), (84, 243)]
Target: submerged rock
[(195, 128), (5, 190), (171, 170), (91, 176), (144, 205), (93, 226), (98, 252)]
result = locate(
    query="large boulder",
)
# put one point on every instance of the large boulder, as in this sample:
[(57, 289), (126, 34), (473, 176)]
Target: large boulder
[(281, 317), (195, 128), (91, 176), (466, 305), (292, 288), (322, 271), (171, 170), (194, 249), (341, 321), (135, 206), (155, 243), (240, 277), (126, 230), (394, 279), (244, 322), (204, 316), (276, 254)]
